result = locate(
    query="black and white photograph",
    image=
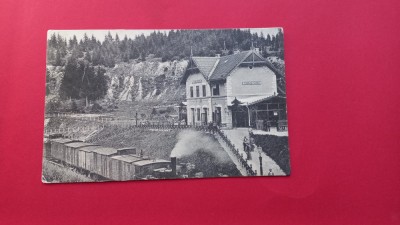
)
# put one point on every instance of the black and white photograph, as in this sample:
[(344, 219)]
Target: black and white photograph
[(165, 104)]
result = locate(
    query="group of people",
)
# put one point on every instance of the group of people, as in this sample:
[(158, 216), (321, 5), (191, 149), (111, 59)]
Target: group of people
[(212, 127), (248, 146)]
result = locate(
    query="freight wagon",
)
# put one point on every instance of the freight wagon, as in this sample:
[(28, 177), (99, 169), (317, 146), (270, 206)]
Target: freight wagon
[(110, 163), (72, 152), (122, 167), (58, 148)]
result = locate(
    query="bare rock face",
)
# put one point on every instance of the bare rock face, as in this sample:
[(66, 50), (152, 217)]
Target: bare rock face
[(146, 81), (151, 80)]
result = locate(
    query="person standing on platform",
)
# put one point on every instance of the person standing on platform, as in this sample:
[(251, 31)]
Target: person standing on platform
[(252, 144), (245, 143)]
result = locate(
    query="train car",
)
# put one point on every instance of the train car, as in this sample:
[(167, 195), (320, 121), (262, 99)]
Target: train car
[(47, 144), (46, 147), (122, 167), (86, 158), (72, 152), (68, 154), (58, 148), (127, 151), (101, 160), (146, 167)]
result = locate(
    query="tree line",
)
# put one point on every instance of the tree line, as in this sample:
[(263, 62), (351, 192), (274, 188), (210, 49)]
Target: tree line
[(174, 44)]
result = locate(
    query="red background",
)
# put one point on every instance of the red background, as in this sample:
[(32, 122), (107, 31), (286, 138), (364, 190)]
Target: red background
[(343, 99)]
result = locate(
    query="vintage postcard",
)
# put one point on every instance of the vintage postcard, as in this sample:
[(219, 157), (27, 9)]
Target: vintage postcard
[(164, 104)]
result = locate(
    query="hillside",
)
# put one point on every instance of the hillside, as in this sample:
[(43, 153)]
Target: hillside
[(151, 80), (140, 68), (148, 80)]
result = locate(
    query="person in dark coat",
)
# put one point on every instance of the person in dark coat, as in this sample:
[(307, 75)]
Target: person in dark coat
[(210, 127), (245, 143)]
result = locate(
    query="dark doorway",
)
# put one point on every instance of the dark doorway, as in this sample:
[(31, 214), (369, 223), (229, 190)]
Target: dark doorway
[(193, 117), (204, 118), (218, 115), (240, 117)]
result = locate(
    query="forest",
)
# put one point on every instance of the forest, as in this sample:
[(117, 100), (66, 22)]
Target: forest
[(85, 59)]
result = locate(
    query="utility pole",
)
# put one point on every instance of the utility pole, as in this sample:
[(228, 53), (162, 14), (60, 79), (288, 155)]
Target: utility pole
[(260, 157), (136, 117), (248, 113)]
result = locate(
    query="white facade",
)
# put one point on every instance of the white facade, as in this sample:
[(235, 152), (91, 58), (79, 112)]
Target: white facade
[(198, 95), (204, 104)]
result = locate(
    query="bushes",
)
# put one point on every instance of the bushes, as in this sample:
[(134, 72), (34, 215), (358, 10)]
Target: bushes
[(54, 174), (275, 147)]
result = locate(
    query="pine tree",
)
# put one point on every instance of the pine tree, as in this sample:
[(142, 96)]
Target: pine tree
[(268, 40)]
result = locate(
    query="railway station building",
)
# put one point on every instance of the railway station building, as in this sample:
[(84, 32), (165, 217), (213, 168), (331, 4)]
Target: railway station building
[(238, 90)]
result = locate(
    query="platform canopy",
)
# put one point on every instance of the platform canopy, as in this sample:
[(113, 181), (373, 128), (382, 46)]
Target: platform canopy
[(252, 100)]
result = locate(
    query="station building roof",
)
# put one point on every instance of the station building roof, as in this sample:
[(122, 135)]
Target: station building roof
[(219, 68), (227, 63), (206, 64)]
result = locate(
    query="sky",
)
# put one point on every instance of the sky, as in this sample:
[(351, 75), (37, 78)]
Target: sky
[(100, 34)]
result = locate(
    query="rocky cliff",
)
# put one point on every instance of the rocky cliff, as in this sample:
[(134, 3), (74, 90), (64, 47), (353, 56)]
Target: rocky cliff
[(150, 80)]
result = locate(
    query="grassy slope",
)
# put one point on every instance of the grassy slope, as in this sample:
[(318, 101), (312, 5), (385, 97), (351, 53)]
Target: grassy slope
[(159, 144), (156, 144), (56, 174)]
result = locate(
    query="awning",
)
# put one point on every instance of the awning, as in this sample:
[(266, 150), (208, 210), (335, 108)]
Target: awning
[(250, 100)]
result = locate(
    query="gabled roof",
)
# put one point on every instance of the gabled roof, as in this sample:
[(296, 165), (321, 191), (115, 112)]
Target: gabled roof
[(227, 63), (205, 64), (219, 68)]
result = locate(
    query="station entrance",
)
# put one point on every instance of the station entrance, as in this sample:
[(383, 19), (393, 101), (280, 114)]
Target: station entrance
[(261, 114)]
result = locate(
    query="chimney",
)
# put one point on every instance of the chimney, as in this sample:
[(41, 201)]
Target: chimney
[(173, 165)]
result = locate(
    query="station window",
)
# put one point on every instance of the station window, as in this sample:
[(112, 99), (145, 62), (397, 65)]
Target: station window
[(204, 91), (191, 92), (216, 89), (197, 91), (198, 114), (192, 111)]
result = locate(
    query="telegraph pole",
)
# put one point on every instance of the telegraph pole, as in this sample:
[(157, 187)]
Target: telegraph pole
[(260, 157), (136, 117)]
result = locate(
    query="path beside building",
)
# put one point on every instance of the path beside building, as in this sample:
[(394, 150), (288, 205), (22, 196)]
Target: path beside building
[(233, 157), (236, 136)]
